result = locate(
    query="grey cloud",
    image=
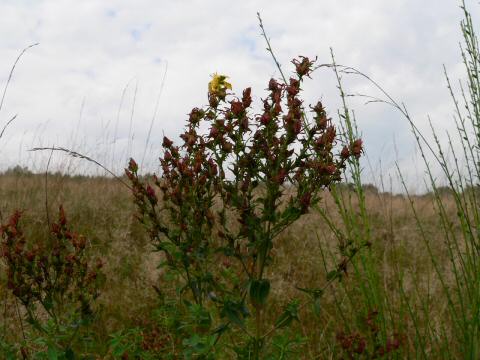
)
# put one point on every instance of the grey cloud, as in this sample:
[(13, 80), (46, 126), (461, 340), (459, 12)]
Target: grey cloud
[(90, 50)]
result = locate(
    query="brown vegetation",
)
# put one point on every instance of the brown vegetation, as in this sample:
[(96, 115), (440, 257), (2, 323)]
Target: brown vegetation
[(102, 210)]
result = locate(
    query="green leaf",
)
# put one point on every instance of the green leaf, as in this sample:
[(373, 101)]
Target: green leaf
[(317, 306), (235, 312), (289, 314), (220, 329), (199, 316), (259, 290), (48, 303), (69, 354), (198, 345), (52, 353), (315, 293), (332, 275)]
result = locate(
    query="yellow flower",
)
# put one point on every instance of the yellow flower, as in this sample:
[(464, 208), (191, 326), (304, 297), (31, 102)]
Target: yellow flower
[(218, 84)]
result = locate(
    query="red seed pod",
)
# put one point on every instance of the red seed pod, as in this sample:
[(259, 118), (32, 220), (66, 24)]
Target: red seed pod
[(227, 146), (380, 351), (330, 169), (357, 148), (265, 118), (132, 165), (322, 122), (69, 270), (10, 285), (18, 248), (192, 139), (273, 85), (166, 170), (56, 251), (17, 291), (266, 105), (5, 252), (297, 126), (360, 346), (174, 151), (318, 108), (294, 87), (167, 156), (210, 217), (330, 134), (236, 108), (247, 97), (197, 167), (226, 263), (392, 344), (82, 242), (295, 104), (214, 132), (303, 67), (91, 276), (244, 123), (345, 341), (13, 221), (129, 174), (280, 177), (30, 256), (151, 194), (74, 240), (167, 143), (62, 218), (202, 180), (212, 167), (188, 138), (305, 201), (220, 123), (196, 115), (213, 100), (12, 232), (277, 109), (345, 154), (188, 173)]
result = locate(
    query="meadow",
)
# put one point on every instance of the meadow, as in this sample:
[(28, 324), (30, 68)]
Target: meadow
[(258, 240), (102, 210)]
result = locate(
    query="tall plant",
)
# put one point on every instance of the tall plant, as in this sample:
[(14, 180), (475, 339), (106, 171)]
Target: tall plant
[(460, 329), (456, 333), (236, 182)]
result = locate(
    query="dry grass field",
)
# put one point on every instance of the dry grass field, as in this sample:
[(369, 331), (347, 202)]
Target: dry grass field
[(394, 277)]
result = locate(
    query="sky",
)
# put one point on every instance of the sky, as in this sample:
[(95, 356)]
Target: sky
[(106, 74)]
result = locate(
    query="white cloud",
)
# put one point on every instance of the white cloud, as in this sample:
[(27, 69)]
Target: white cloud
[(90, 50)]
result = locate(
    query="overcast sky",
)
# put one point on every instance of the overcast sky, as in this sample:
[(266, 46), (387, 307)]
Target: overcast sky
[(96, 59)]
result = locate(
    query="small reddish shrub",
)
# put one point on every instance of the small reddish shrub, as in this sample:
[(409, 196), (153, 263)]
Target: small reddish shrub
[(368, 343), (56, 282)]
